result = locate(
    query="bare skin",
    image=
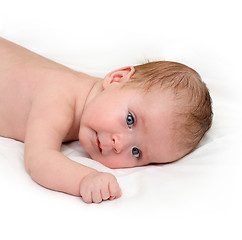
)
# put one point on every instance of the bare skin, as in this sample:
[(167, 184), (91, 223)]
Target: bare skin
[(43, 104)]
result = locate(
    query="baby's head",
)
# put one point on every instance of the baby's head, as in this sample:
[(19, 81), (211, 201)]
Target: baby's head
[(192, 102), (152, 113)]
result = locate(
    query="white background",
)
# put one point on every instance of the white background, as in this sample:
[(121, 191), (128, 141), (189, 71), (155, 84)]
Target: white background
[(97, 37)]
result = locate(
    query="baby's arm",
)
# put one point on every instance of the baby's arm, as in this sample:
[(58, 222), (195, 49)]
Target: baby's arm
[(48, 124)]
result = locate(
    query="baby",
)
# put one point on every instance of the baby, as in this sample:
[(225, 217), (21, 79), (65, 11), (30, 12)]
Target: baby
[(151, 113)]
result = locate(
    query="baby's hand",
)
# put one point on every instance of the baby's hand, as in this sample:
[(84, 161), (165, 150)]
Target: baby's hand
[(99, 186)]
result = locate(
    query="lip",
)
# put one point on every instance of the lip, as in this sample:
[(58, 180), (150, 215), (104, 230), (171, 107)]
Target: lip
[(98, 144)]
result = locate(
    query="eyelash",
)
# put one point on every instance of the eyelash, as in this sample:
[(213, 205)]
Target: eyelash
[(131, 117), (139, 152)]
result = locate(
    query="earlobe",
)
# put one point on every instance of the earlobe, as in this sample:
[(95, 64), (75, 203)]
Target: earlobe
[(118, 76)]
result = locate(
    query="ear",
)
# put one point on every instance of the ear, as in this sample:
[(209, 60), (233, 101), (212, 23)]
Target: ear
[(118, 76)]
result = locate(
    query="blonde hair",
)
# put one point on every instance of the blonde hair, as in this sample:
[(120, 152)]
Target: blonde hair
[(193, 104)]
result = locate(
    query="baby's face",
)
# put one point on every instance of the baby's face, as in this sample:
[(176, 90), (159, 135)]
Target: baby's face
[(123, 128)]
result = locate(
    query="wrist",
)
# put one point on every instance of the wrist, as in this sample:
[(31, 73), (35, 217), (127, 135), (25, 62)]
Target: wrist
[(92, 172)]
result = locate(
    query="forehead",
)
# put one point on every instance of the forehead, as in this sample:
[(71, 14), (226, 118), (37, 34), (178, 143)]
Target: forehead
[(156, 117)]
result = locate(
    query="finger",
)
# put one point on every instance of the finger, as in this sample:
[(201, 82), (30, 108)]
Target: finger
[(105, 193), (118, 195), (111, 198), (96, 197), (86, 197), (114, 190)]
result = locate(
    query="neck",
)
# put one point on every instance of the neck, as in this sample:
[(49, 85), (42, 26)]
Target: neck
[(94, 90), (87, 91)]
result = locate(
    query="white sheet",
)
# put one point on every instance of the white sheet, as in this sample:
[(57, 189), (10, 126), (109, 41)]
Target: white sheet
[(198, 197)]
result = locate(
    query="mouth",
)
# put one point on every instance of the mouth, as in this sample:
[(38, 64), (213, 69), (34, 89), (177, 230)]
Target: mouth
[(98, 144)]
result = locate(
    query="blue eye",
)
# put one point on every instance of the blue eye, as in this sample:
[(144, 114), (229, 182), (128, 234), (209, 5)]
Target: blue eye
[(135, 152), (130, 120)]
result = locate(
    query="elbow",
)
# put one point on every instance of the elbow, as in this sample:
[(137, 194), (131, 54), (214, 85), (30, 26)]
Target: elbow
[(27, 165), (32, 168)]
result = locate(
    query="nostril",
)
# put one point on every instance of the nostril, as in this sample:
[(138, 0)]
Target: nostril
[(115, 150), (114, 145)]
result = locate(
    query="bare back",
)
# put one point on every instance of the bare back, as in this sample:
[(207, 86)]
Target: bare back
[(41, 104), (25, 76)]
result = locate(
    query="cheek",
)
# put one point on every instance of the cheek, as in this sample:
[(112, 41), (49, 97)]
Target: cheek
[(107, 120), (100, 113)]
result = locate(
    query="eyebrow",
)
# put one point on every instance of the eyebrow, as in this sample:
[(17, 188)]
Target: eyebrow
[(140, 116), (145, 156)]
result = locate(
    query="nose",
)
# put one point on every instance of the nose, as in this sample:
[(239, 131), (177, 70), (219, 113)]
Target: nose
[(120, 142)]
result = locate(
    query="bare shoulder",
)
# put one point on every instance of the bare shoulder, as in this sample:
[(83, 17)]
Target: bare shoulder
[(49, 121), (59, 103), (38, 89), (54, 102)]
